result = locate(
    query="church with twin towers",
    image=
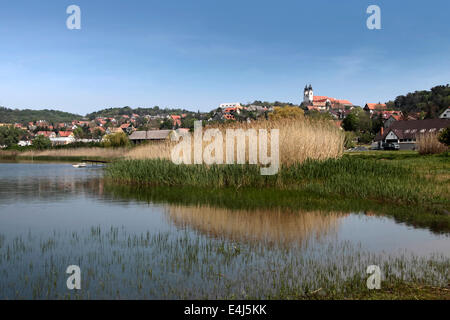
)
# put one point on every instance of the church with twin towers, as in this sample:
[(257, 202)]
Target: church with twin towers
[(322, 103)]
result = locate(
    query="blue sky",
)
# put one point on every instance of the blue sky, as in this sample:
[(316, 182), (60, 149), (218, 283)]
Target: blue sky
[(197, 54)]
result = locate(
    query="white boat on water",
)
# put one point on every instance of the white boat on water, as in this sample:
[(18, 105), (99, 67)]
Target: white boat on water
[(79, 165)]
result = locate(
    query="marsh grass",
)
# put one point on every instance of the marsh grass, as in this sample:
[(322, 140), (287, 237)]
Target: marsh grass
[(117, 264), (350, 176), (90, 153)]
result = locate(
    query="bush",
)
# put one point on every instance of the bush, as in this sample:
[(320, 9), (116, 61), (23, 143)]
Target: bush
[(116, 140), (444, 136), (287, 113), (429, 144), (9, 135), (41, 142), (349, 141)]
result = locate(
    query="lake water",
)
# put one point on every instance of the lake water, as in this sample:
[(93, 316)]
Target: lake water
[(53, 215)]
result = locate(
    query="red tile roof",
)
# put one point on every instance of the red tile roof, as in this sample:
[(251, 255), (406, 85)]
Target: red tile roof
[(65, 133), (376, 106), (44, 133)]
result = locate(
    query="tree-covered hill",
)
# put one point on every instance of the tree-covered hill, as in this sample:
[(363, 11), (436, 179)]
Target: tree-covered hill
[(431, 102), (26, 115), (114, 112)]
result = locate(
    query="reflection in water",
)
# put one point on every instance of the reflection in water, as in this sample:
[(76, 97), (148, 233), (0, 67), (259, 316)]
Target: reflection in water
[(44, 182), (274, 226), (128, 240)]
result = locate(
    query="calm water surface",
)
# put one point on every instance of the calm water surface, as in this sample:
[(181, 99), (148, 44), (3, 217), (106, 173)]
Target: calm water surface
[(54, 215)]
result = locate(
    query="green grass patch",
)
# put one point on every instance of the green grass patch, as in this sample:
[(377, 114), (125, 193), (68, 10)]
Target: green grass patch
[(414, 181)]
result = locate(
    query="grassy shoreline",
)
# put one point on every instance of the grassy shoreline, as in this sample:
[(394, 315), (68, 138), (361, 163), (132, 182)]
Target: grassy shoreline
[(419, 181)]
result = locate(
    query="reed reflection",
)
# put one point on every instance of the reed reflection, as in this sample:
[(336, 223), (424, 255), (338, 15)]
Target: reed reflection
[(273, 226)]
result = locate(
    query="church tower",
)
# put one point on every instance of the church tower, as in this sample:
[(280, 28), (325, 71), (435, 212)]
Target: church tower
[(308, 95)]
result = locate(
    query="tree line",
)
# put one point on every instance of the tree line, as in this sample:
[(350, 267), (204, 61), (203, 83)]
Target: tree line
[(27, 115), (431, 102)]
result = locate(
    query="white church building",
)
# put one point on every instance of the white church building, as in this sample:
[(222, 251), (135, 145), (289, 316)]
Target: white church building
[(322, 103)]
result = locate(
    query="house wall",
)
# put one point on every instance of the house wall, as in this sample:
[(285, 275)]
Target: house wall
[(388, 122), (407, 145)]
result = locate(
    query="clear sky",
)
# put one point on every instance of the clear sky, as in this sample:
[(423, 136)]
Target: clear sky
[(197, 54)]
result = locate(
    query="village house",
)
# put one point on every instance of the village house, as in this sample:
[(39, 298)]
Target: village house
[(445, 114), (24, 143), (176, 120), (62, 140), (138, 137), (113, 130), (126, 127), (389, 121), (230, 105), (48, 134), (65, 134), (405, 133), (375, 108)]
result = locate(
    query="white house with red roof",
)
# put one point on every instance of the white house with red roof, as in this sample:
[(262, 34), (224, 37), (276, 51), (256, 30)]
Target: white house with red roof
[(445, 114)]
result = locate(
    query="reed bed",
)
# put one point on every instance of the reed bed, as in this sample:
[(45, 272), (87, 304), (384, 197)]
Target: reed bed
[(118, 264), (429, 144), (272, 226), (348, 176), (104, 153), (299, 140)]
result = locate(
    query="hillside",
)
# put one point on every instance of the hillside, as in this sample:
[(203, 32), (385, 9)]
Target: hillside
[(430, 102), (113, 112), (27, 115)]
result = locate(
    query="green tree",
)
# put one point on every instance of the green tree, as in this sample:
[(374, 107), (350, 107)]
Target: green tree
[(41, 142), (166, 124), (9, 135), (78, 133), (116, 140), (350, 123), (317, 115), (444, 136), (349, 140)]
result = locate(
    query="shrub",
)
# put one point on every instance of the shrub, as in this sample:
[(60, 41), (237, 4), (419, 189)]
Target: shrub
[(42, 142), (349, 141), (116, 140), (287, 112), (444, 136)]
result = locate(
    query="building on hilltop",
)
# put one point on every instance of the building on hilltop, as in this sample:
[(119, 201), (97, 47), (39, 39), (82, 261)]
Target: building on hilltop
[(323, 103), (230, 105)]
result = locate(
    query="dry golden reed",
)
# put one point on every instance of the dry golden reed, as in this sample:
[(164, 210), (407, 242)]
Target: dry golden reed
[(429, 144), (299, 140), (107, 153)]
